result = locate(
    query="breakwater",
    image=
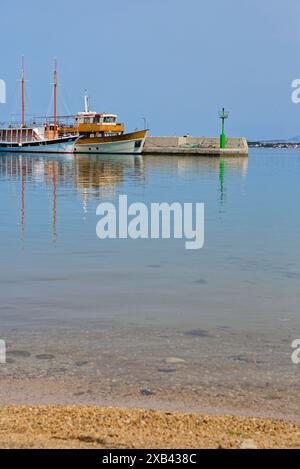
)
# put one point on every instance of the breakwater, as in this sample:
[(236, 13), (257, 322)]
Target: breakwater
[(202, 146)]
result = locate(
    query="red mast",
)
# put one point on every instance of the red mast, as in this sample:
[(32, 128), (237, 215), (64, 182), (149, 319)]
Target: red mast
[(55, 98), (23, 93)]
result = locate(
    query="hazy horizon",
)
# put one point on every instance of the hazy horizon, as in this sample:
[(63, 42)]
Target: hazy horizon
[(174, 63)]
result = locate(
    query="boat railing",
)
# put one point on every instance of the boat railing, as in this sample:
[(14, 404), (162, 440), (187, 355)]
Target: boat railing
[(18, 134), (63, 121), (10, 125), (17, 140)]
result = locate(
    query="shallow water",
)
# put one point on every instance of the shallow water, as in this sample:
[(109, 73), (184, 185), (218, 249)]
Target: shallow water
[(122, 307)]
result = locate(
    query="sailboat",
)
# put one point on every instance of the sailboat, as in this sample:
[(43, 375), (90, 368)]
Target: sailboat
[(23, 138)]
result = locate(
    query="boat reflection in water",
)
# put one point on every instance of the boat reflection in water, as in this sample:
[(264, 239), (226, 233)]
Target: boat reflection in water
[(103, 176), (91, 176)]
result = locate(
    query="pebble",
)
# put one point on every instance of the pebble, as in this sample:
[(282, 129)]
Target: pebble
[(248, 444), (45, 356), (19, 353), (147, 392), (173, 360)]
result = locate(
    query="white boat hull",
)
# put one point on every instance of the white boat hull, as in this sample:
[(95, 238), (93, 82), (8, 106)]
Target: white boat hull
[(129, 147), (60, 145)]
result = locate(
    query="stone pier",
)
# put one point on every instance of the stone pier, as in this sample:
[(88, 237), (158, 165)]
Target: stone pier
[(202, 146)]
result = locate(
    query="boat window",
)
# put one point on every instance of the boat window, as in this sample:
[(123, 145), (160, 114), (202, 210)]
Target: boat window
[(109, 119)]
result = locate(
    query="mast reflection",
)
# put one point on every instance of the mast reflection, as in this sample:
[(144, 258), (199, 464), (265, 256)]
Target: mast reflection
[(92, 176)]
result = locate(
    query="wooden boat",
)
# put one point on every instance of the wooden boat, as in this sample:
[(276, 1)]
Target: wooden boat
[(101, 133), (129, 143)]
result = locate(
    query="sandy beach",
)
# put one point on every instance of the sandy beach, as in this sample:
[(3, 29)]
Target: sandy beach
[(111, 427)]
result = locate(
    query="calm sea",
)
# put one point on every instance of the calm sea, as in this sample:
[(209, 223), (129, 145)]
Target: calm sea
[(234, 303)]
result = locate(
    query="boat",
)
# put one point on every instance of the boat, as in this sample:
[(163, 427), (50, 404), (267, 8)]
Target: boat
[(128, 144), (101, 133), (39, 139), (34, 140)]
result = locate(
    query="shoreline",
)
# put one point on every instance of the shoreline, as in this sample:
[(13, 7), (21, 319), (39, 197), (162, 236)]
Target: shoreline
[(184, 369), (73, 391), (80, 426)]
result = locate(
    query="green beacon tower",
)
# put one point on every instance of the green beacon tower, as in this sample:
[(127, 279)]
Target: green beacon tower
[(223, 115)]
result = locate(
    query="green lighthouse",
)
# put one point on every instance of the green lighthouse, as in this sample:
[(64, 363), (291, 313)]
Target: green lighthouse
[(223, 115)]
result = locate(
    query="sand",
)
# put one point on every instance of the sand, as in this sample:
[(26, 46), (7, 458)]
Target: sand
[(111, 427)]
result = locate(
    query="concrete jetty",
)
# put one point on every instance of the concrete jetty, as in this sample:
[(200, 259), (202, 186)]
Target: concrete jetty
[(201, 146)]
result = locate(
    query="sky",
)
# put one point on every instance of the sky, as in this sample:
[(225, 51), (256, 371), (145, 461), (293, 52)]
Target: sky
[(174, 62)]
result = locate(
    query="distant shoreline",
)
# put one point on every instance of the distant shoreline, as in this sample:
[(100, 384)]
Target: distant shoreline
[(261, 144)]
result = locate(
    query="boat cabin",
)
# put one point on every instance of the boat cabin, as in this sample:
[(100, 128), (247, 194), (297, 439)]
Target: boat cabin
[(94, 124), (21, 134), (94, 118)]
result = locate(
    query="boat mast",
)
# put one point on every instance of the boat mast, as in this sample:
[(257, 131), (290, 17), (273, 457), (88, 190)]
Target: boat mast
[(55, 98), (86, 102), (23, 92)]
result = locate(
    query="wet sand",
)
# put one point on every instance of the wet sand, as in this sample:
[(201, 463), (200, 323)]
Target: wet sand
[(98, 427)]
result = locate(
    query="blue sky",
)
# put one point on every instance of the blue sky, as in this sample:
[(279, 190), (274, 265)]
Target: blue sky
[(175, 62)]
